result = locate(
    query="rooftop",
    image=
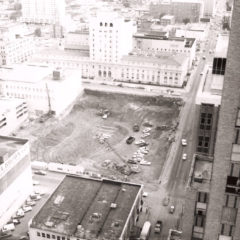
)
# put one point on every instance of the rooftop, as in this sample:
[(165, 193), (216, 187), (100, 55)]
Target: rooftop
[(82, 206), (167, 17), (24, 73), (168, 59), (222, 46), (9, 145), (210, 88)]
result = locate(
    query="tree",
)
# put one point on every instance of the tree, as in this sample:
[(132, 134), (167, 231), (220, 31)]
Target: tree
[(38, 32), (186, 21)]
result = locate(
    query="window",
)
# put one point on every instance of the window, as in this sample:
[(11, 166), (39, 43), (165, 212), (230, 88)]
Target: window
[(63, 238), (53, 236), (58, 238), (111, 25), (101, 24), (43, 235), (48, 235), (105, 24), (38, 234)]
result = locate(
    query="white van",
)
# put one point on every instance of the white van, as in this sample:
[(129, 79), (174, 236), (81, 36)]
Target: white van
[(8, 227), (145, 231)]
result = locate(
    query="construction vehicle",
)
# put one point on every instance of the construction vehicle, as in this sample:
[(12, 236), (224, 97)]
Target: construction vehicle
[(123, 168)]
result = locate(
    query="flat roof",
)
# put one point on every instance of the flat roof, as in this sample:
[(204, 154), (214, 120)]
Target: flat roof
[(65, 52), (168, 59), (9, 145), (24, 73), (222, 46), (167, 17), (83, 206)]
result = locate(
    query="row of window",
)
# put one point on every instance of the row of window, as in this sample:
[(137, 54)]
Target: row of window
[(27, 88), (101, 24), (165, 49)]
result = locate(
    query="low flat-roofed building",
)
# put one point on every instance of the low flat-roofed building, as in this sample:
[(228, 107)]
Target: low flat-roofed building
[(77, 40), (44, 89), (13, 113), (210, 88), (15, 175), (167, 20), (84, 208)]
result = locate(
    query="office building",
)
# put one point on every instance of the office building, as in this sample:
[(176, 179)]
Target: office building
[(43, 11), (84, 208), (13, 113), (167, 20), (214, 210), (15, 176), (44, 89), (155, 43), (209, 8), (192, 10), (15, 47), (223, 216), (110, 37)]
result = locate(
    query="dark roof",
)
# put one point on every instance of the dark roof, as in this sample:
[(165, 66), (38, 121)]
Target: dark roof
[(82, 206)]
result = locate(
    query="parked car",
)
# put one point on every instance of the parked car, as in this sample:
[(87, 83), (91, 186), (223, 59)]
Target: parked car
[(27, 208), (30, 203), (184, 156), (40, 172), (184, 142), (166, 201), (8, 227), (132, 161), (136, 128), (130, 140), (143, 162), (35, 182), (158, 226), (172, 209)]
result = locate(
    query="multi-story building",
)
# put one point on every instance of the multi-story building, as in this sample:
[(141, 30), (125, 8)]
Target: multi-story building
[(110, 37), (169, 70), (43, 11), (78, 40), (14, 46), (151, 42), (223, 214), (44, 89), (13, 113), (180, 9), (216, 213), (82, 208), (15, 176), (209, 8)]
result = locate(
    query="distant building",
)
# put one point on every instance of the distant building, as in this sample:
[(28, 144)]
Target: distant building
[(180, 9), (43, 11), (167, 20), (13, 113), (78, 40), (15, 176), (44, 89), (197, 31), (209, 8), (15, 47), (152, 42), (82, 208), (110, 37)]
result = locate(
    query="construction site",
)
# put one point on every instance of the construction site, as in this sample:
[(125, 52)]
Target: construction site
[(118, 136)]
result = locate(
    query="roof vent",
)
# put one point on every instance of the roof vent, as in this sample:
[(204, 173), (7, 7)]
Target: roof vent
[(49, 224), (113, 205), (123, 189), (56, 74)]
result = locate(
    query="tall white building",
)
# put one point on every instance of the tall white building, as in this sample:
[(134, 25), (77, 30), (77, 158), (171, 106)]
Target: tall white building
[(43, 11), (110, 37)]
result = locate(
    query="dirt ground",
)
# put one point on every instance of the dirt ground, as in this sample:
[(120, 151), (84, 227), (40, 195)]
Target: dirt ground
[(74, 139)]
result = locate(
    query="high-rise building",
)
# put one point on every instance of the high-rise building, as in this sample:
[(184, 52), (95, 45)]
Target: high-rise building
[(110, 37), (213, 195), (43, 11), (209, 7), (223, 214)]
